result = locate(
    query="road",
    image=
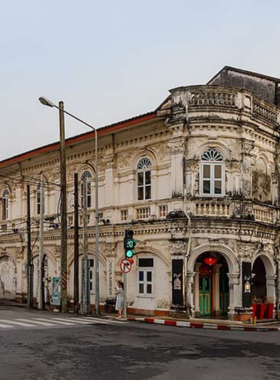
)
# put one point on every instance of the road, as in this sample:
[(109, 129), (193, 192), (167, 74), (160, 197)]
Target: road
[(67, 347)]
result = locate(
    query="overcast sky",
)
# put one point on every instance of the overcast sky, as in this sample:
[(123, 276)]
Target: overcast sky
[(115, 59)]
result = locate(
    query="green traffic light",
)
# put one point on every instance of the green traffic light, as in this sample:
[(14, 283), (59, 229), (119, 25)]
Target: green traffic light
[(129, 254)]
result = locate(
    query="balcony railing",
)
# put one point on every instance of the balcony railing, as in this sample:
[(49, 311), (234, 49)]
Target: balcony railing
[(212, 209), (218, 96), (263, 214), (212, 98)]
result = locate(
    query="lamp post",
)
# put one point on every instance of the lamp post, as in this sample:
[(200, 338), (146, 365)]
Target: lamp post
[(61, 109)]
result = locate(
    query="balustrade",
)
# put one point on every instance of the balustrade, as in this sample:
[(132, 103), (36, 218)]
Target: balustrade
[(212, 209), (212, 98), (263, 214)]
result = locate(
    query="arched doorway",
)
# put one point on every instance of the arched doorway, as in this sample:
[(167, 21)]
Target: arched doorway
[(7, 278), (211, 285), (259, 280)]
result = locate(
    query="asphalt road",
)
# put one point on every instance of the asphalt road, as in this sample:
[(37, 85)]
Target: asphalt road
[(116, 350)]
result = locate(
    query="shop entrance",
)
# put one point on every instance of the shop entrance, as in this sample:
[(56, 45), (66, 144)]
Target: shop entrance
[(212, 285)]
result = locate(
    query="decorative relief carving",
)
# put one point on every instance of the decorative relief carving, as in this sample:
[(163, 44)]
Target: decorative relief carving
[(162, 150), (178, 247), (57, 251), (247, 251), (55, 174), (191, 165), (124, 159), (177, 146), (109, 161), (247, 146), (101, 165), (109, 249), (70, 172), (19, 253)]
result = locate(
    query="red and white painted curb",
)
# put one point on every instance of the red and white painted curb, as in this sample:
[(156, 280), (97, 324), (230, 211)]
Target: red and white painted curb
[(197, 325)]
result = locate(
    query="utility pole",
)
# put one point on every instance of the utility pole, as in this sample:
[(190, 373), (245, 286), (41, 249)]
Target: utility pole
[(30, 266), (76, 243), (41, 250), (97, 288), (64, 306), (85, 251)]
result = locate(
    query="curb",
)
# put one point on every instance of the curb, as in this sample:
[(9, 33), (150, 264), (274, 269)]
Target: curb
[(209, 326)]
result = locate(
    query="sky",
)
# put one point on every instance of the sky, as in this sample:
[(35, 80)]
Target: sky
[(112, 60)]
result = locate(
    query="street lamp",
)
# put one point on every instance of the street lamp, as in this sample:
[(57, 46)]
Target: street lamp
[(61, 109)]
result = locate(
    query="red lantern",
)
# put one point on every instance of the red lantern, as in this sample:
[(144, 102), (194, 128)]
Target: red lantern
[(211, 260)]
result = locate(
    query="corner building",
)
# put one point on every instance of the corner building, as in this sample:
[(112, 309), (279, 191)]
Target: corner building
[(197, 180)]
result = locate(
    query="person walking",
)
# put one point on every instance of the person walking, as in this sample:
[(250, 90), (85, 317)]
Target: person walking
[(120, 299)]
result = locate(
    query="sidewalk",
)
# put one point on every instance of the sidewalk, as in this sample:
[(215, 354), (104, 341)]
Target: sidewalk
[(194, 323), (209, 324)]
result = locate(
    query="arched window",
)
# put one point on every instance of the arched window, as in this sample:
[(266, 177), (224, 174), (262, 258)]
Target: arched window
[(144, 184), (5, 204), (212, 173), (86, 175)]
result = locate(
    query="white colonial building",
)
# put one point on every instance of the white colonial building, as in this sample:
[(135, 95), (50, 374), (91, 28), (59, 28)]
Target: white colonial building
[(197, 180)]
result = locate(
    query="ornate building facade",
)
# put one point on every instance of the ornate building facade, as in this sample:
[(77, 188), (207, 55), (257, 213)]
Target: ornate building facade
[(197, 180)]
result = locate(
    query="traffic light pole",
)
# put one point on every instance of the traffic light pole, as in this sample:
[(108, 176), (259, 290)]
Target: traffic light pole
[(124, 295)]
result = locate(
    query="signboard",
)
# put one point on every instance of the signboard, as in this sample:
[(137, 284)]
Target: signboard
[(56, 291), (177, 277), (125, 266)]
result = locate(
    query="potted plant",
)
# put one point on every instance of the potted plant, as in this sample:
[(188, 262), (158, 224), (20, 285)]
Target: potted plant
[(261, 308), (269, 308)]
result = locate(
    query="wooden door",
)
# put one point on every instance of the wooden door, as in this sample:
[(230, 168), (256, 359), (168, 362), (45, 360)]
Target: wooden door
[(205, 295)]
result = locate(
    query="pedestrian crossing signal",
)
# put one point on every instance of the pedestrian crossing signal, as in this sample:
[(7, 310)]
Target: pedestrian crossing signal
[(129, 244)]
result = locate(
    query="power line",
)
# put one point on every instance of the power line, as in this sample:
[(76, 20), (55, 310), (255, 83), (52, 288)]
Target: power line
[(26, 178)]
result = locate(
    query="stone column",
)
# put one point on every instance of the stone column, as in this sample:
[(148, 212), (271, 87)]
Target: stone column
[(196, 290), (217, 310), (177, 148), (270, 287), (109, 181), (234, 294), (110, 253), (18, 275), (190, 292), (246, 168)]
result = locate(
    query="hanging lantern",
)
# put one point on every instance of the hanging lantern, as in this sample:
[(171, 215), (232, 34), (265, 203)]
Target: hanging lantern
[(210, 260)]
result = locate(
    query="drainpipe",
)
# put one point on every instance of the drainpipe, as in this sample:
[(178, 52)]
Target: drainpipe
[(186, 262), (277, 290)]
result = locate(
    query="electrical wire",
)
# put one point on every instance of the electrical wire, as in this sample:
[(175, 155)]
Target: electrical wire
[(26, 178)]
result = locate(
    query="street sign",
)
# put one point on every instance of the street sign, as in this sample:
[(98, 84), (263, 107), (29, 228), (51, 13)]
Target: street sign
[(125, 266)]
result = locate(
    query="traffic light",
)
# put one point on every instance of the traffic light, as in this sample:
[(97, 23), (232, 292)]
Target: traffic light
[(129, 244)]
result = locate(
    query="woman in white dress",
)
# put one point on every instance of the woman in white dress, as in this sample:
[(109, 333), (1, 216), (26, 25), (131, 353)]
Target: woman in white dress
[(120, 299)]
